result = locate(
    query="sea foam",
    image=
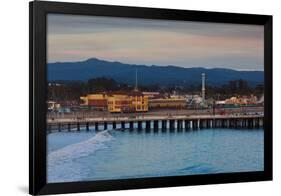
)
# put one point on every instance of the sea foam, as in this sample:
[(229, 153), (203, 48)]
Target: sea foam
[(59, 160)]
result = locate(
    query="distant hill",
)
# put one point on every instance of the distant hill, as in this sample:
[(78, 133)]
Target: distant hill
[(147, 75)]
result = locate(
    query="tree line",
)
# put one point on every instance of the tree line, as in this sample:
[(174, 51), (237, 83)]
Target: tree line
[(72, 90)]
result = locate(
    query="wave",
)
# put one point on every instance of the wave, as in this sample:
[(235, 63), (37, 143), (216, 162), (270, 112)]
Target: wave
[(79, 150), (199, 169)]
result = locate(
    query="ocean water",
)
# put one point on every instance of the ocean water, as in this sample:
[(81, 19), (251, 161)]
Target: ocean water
[(116, 154)]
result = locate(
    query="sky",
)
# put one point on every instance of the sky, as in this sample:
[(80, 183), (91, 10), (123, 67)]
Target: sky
[(154, 42)]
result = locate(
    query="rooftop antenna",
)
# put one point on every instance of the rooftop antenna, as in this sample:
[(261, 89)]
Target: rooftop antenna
[(136, 84)]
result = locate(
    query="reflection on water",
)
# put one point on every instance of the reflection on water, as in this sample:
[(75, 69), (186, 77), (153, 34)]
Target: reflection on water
[(78, 156)]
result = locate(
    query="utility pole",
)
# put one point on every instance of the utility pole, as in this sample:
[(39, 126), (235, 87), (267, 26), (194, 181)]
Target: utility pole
[(203, 88)]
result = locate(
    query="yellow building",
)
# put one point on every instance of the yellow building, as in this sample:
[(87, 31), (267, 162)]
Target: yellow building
[(117, 101), (127, 102), (139, 102), (97, 101)]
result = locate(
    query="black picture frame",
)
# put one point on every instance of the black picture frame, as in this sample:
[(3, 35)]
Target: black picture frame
[(38, 84)]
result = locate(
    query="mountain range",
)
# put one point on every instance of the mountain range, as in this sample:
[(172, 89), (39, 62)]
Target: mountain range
[(147, 75)]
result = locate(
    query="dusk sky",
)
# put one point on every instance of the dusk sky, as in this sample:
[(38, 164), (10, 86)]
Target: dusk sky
[(155, 42)]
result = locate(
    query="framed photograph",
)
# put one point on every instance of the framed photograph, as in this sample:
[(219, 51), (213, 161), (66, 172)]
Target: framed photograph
[(131, 97)]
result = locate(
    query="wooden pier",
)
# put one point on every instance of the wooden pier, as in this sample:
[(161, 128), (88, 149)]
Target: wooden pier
[(157, 123)]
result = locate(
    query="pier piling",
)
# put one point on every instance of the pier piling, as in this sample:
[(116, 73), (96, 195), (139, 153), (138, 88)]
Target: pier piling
[(187, 124), (180, 126), (123, 124), (155, 125), (131, 125), (147, 125), (139, 125), (114, 125), (96, 126), (78, 126), (87, 126), (172, 123)]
